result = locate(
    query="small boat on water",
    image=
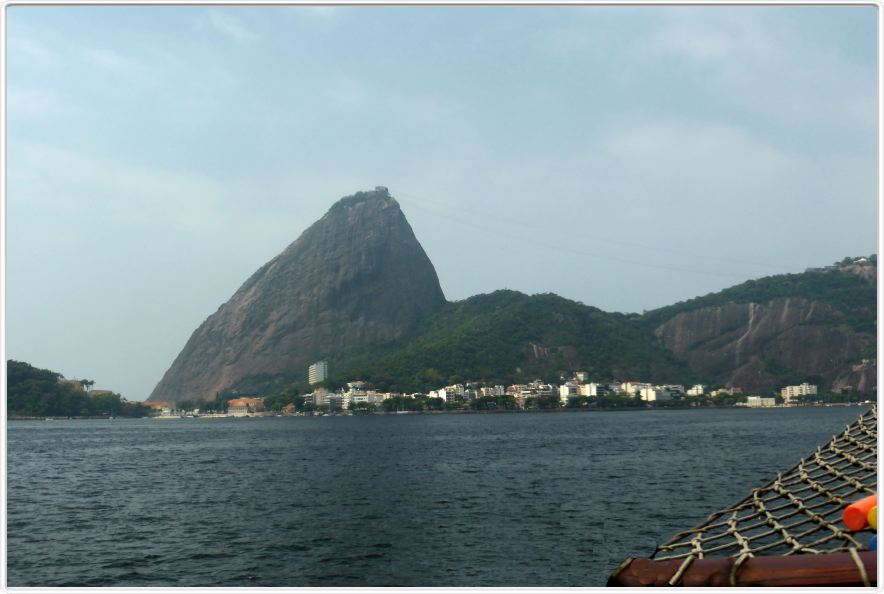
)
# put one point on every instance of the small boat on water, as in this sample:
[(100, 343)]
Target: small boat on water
[(789, 532)]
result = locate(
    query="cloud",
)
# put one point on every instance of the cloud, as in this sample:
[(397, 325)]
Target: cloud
[(227, 24), (26, 50), (765, 66), (35, 104), (112, 67), (317, 13), (89, 186), (326, 12)]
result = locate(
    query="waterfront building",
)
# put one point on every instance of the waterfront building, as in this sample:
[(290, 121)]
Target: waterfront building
[(593, 389), (568, 390), (516, 389), (653, 394), (790, 392), (632, 387), (538, 388), (457, 389), (317, 398), (366, 397), (243, 407), (160, 409), (455, 393), (338, 401), (760, 402), (317, 372), (696, 390), (729, 391)]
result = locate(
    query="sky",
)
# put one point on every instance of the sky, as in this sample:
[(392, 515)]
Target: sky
[(624, 157)]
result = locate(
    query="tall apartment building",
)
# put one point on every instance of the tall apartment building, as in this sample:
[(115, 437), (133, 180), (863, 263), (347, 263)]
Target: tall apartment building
[(317, 372), (804, 389), (696, 390)]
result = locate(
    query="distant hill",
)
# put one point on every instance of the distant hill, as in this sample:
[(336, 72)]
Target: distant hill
[(35, 392), (816, 326), (358, 290), (507, 336), (848, 287), (356, 277)]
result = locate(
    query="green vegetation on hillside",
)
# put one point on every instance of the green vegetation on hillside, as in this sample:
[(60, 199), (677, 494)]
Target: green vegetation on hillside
[(508, 337), (33, 392), (853, 296)]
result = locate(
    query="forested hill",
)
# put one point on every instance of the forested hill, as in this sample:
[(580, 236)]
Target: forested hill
[(507, 337), (34, 392), (814, 326), (818, 326), (847, 286), (373, 307)]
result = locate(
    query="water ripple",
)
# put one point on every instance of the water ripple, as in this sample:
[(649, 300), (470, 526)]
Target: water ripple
[(420, 500)]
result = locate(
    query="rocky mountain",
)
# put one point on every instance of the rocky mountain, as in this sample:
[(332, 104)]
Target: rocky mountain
[(818, 326), (357, 289), (356, 277)]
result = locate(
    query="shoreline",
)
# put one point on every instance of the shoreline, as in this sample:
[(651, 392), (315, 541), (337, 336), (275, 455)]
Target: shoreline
[(459, 412)]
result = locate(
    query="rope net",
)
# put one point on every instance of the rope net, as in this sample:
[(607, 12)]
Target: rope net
[(799, 512)]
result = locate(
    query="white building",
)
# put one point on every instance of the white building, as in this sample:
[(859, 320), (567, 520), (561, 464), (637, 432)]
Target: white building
[(592, 389), (790, 392), (516, 389), (730, 391), (632, 386), (538, 388), (317, 372), (568, 390), (338, 401), (696, 390), (654, 393), (453, 393), (318, 397), (759, 402)]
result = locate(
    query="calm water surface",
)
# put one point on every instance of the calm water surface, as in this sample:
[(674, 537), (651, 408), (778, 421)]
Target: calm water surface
[(406, 500)]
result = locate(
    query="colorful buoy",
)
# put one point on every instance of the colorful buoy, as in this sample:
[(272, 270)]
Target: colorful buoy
[(873, 518), (856, 515)]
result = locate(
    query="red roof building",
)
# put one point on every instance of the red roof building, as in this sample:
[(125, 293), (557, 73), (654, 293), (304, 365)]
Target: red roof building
[(241, 407)]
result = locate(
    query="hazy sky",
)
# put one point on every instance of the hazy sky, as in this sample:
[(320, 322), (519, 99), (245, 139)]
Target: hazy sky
[(624, 157)]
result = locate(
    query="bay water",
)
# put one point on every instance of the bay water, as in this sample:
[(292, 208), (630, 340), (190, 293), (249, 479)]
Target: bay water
[(542, 499)]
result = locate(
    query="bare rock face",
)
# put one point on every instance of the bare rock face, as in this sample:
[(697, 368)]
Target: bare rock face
[(861, 377), (357, 276), (742, 344)]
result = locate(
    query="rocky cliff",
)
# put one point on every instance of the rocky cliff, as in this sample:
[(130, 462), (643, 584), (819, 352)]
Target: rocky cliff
[(358, 289), (818, 326), (356, 277)]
